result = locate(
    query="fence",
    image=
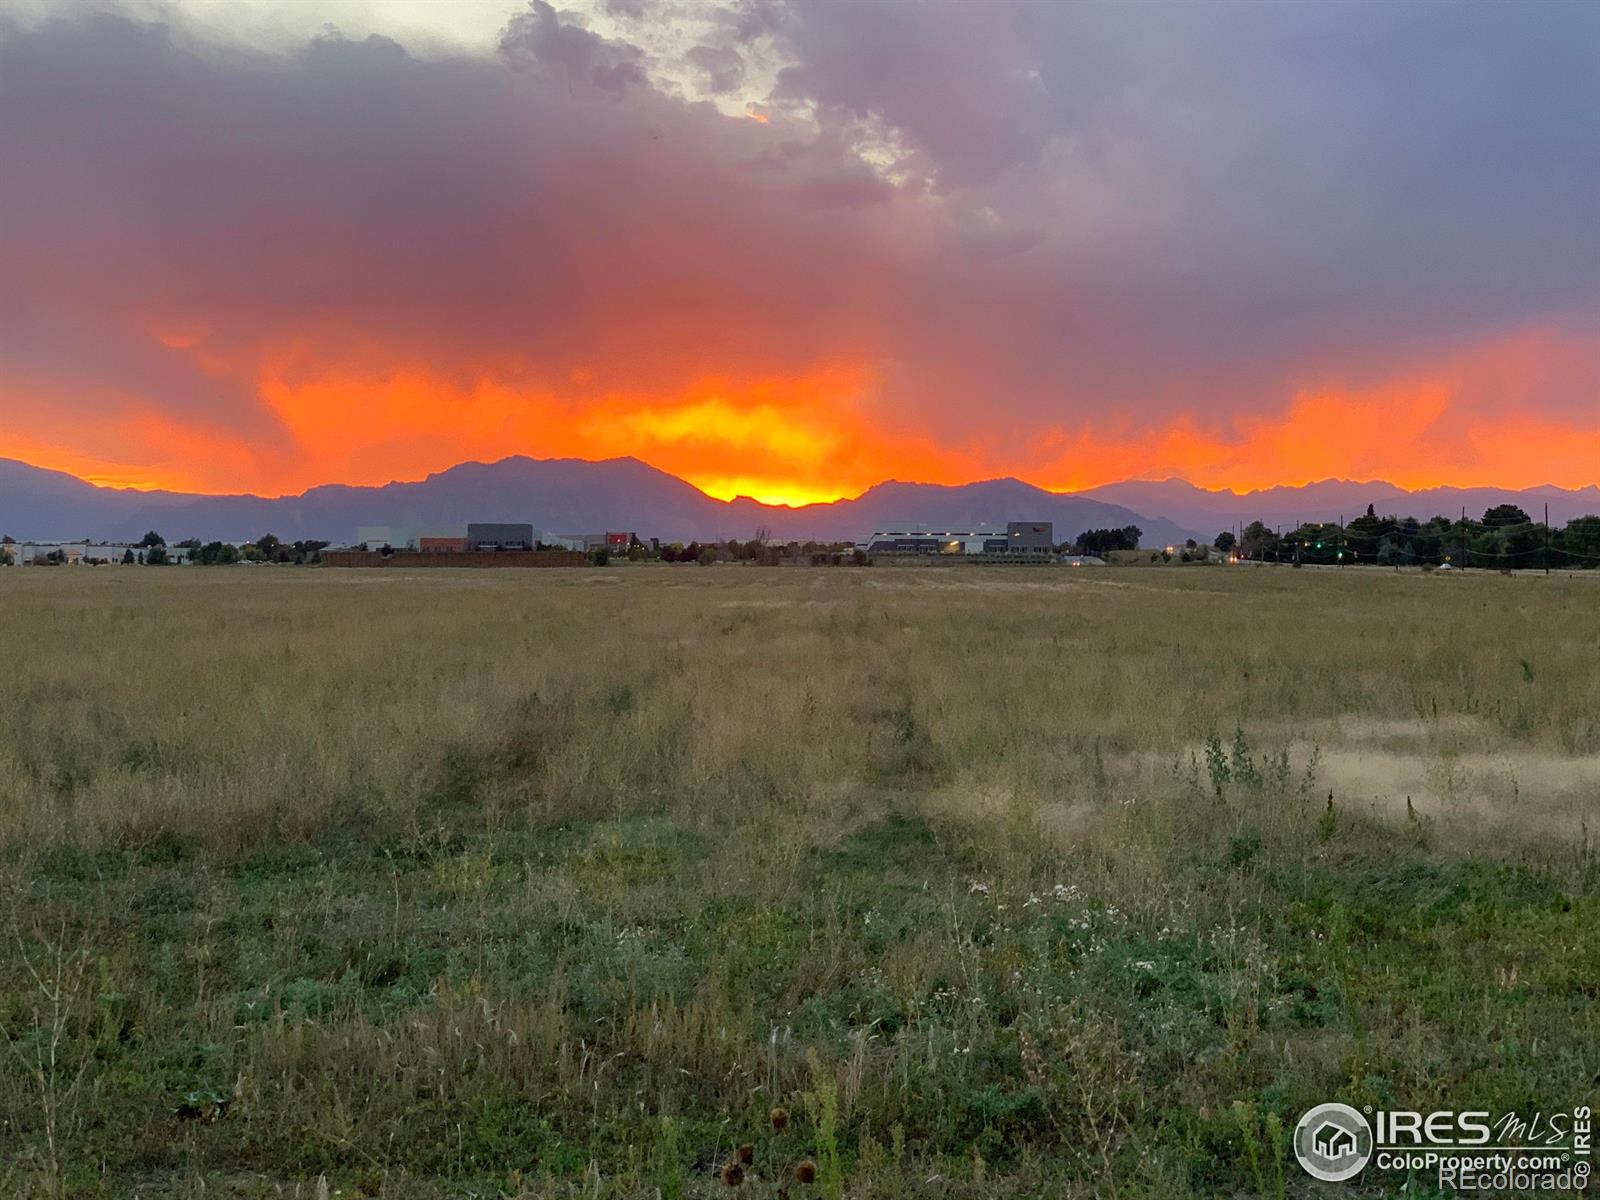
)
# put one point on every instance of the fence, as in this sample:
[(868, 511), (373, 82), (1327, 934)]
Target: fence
[(465, 558)]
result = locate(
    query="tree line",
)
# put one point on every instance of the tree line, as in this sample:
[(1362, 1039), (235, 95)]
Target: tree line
[(1505, 537), (153, 550), (1100, 542)]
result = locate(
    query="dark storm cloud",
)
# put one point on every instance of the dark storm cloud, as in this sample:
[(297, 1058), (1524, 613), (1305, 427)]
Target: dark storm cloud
[(542, 211), (1241, 187), (1036, 212)]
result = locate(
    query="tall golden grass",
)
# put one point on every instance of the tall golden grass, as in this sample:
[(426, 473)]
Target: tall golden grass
[(416, 880)]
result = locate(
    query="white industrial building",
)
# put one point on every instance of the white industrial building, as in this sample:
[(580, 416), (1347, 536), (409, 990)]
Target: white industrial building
[(398, 537), (72, 554), (919, 539), (1031, 538)]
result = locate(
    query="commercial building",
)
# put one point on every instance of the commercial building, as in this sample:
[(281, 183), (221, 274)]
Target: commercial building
[(1031, 539), (376, 537), (484, 535), (919, 539), (458, 539), (111, 554), (406, 537), (382, 537)]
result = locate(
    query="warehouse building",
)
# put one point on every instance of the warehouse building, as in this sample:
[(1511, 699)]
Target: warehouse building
[(114, 554), (1027, 538), (486, 535), (1030, 537), (397, 537), (919, 539), (477, 535)]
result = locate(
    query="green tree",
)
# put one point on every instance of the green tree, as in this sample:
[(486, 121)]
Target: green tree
[(1102, 541), (1365, 535), (1506, 537), (1259, 542), (1224, 541), (1315, 542), (1578, 545), (1437, 540), (1503, 516), (152, 539), (156, 556)]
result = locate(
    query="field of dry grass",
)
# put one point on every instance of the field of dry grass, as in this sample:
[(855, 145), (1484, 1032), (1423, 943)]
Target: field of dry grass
[(446, 883)]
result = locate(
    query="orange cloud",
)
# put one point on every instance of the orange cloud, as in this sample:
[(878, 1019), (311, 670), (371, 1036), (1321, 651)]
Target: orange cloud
[(1320, 436), (784, 441), (1468, 420)]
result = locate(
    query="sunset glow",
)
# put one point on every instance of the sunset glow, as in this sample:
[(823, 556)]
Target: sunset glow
[(816, 439), (776, 271)]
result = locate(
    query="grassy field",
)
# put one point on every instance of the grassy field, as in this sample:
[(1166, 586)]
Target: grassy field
[(1000, 883)]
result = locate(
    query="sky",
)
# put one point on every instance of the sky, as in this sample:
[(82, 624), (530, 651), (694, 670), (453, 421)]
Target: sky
[(789, 249)]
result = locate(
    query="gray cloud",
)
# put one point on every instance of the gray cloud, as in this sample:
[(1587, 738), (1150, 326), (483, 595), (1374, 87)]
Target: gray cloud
[(722, 67), (573, 54)]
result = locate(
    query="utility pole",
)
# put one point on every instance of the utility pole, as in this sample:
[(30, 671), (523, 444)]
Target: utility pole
[(1463, 537), (1547, 537)]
